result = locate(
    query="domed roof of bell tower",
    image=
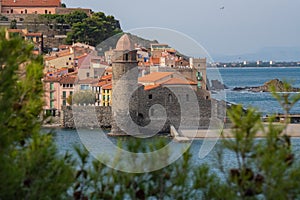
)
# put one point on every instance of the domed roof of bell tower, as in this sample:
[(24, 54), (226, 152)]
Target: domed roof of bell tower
[(124, 44)]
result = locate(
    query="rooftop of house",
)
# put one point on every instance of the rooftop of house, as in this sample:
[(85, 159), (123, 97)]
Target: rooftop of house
[(31, 3), (59, 54), (88, 81), (107, 86), (155, 76), (34, 35), (106, 77), (179, 81), (68, 79), (171, 81)]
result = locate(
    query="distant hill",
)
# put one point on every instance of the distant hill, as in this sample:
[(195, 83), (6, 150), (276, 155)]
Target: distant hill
[(264, 54)]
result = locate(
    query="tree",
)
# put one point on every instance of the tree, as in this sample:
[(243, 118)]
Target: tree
[(75, 17), (30, 166), (93, 30), (83, 97), (70, 99), (265, 169), (13, 24)]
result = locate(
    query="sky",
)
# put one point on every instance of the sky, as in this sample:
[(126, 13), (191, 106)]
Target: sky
[(243, 26)]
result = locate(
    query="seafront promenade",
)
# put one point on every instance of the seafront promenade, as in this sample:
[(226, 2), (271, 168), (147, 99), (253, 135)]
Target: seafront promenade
[(293, 130)]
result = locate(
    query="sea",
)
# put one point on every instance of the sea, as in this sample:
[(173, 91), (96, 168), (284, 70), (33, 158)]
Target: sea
[(264, 102), (231, 77)]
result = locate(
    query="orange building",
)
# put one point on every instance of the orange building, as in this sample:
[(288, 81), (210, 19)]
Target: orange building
[(29, 6)]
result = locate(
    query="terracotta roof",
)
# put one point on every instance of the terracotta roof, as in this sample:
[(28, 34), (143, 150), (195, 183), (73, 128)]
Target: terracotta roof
[(34, 34), (100, 84), (150, 87), (178, 81), (15, 30), (31, 3), (64, 46), (155, 76), (88, 81), (68, 79), (107, 87), (81, 56), (51, 79), (58, 54), (106, 77)]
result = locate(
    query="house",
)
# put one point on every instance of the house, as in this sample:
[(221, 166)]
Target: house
[(103, 90), (56, 92), (58, 60), (12, 7), (29, 6), (169, 79), (90, 66), (35, 38)]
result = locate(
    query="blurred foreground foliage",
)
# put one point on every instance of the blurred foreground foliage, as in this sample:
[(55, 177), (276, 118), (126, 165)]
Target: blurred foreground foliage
[(31, 168)]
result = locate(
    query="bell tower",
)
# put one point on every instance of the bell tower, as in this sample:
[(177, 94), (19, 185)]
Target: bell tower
[(124, 80)]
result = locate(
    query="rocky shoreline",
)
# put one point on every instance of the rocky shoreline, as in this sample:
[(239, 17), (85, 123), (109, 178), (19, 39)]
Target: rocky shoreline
[(277, 84)]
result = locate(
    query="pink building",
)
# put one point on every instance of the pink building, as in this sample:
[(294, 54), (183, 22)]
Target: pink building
[(29, 6), (56, 92)]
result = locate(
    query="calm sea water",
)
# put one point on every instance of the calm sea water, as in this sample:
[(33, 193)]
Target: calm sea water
[(66, 139), (239, 77)]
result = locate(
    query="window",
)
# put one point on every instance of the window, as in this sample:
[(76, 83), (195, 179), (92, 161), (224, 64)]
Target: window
[(67, 63), (71, 93), (46, 11), (51, 104), (88, 74), (51, 95), (150, 96), (64, 102), (35, 12), (11, 11), (71, 85), (21, 12), (84, 87), (70, 58), (170, 98), (51, 86), (64, 94), (25, 11)]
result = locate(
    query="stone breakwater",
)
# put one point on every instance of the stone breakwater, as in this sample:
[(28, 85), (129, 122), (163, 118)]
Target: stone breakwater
[(100, 116)]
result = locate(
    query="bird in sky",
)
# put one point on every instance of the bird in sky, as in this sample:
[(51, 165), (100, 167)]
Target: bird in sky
[(222, 7)]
